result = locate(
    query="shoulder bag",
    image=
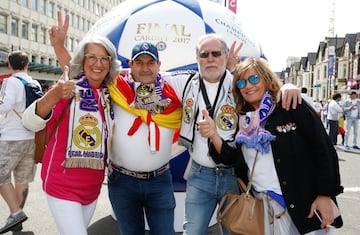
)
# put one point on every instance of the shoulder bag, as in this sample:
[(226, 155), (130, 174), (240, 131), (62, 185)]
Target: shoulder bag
[(242, 214), (42, 138)]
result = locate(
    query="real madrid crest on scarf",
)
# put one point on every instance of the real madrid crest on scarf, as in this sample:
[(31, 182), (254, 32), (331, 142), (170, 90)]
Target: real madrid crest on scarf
[(87, 132)]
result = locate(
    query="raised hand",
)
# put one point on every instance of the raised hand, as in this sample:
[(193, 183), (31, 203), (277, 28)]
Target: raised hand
[(65, 88), (206, 127), (233, 58), (58, 32), (57, 37)]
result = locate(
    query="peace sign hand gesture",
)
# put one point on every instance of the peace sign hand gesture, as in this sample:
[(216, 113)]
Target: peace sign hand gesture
[(58, 32), (57, 35)]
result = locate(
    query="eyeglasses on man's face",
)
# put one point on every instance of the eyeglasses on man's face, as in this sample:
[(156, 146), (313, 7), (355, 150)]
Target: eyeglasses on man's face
[(252, 79), (92, 59), (205, 54)]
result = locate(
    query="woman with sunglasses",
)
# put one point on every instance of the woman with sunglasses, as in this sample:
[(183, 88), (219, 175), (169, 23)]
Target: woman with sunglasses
[(296, 171)]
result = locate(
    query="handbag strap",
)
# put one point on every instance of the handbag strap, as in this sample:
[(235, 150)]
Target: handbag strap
[(58, 121), (252, 173)]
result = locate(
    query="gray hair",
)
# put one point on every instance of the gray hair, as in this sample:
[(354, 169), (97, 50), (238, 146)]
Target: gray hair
[(212, 36), (77, 63)]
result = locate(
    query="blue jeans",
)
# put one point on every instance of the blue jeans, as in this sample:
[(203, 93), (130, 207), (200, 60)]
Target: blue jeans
[(351, 122), (130, 197), (204, 190)]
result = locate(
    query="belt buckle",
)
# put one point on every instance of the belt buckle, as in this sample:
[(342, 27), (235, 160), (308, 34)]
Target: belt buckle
[(219, 171)]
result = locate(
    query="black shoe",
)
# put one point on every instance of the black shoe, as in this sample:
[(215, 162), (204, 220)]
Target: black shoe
[(17, 228), (12, 221)]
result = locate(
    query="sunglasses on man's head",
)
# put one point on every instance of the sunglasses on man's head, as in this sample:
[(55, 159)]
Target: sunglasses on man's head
[(253, 79), (205, 54)]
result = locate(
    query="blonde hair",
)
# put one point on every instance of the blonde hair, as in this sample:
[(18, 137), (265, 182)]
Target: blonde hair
[(261, 67)]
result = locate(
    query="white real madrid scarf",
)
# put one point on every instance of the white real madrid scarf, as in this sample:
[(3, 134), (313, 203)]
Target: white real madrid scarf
[(88, 133), (224, 111)]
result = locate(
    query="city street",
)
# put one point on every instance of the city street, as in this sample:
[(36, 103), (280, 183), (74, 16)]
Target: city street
[(40, 221)]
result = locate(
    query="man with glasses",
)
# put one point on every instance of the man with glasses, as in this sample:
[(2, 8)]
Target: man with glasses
[(210, 89)]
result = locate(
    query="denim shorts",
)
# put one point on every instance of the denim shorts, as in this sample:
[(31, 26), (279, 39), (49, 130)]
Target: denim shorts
[(17, 157)]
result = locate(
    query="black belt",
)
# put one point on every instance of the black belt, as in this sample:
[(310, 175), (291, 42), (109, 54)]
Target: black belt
[(219, 170), (140, 175)]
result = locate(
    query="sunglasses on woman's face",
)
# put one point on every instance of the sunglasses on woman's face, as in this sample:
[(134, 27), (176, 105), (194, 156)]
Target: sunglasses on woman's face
[(252, 79)]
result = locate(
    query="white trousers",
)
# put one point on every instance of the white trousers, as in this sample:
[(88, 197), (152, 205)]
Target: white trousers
[(283, 225), (72, 218)]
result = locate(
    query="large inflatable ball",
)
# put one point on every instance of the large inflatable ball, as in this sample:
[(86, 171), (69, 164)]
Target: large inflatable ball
[(174, 26)]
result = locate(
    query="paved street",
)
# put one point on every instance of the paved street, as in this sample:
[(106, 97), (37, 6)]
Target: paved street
[(40, 221)]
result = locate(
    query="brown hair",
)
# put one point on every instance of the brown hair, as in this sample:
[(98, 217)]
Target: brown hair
[(18, 60), (262, 69)]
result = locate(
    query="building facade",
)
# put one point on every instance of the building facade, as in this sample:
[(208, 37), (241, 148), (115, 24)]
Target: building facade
[(333, 68), (24, 25)]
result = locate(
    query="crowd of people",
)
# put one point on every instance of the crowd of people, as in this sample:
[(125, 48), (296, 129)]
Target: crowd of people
[(340, 116), (99, 113)]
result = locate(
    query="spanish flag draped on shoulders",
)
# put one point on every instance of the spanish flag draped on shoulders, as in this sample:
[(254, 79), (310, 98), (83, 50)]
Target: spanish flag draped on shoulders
[(123, 94)]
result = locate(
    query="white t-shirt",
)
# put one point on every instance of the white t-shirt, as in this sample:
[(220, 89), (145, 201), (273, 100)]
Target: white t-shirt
[(354, 111), (13, 103), (265, 177)]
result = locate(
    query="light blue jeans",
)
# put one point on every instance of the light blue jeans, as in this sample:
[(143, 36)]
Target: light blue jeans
[(204, 190), (351, 122)]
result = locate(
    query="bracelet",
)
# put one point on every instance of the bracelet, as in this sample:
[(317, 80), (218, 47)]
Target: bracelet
[(46, 102)]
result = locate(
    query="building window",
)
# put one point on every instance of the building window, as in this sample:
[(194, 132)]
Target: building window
[(76, 22), (71, 20), (325, 72), (86, 4), (14, 27), (24, 3), (3, 25), (24, 30), (34, 33), (51, 10), (42, 38), (70, 44), (81, 24), (42, 7), (34, 5)]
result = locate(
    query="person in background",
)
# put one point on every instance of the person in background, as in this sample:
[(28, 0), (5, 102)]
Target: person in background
[(352, 111), (286, 143), (16, 142), (342, 131), (334, 111), (80, 110), (318, 107), (306, 97), (209, 179), (325, 114)]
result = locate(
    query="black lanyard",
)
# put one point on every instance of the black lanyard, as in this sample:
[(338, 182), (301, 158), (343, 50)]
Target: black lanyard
[(210, 108)]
